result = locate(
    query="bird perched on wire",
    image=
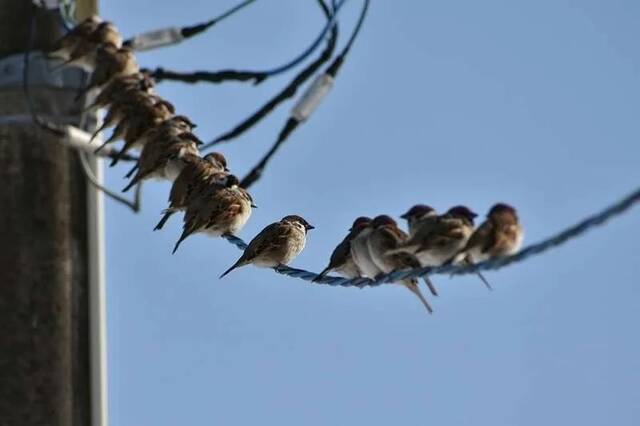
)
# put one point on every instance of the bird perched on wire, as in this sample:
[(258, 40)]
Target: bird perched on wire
[(66, 44), (360, 253), (218, 210), (192, 181), (341, 259), (145, 119), (134, 119), (385, 237), (83, 53), (499, 235), (418, 217), (439, 242), (110, 62), (164, 158), (276, 245), (169, 127), (131, 103), (120, 86)]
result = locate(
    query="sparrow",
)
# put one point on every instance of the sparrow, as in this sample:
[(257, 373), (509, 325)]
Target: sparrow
[(110, 62), (360, 253), (418, 217), (499, 235), (133, 127), (125, 106), (385, 237), (217, 210), (277, 244), (63, 47), (119, 88), (172, 126), (341, 260), (439, 242), (191, 181), (146, 112), (84, 52), (164, 158), (169, 127)]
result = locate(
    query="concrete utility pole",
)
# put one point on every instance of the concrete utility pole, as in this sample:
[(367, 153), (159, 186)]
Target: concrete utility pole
[(46, 256)]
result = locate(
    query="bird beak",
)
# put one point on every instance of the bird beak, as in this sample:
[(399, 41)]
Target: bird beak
[(405, 215), (194, 125), (254, 206), (226, 169), (309, 227)]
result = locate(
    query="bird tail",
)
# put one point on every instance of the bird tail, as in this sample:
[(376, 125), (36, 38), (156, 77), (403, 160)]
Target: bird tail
[(134, 181), (185, 233), (321, 275), (466, 260), (430, 285), (413, 287), (167, 215), (484, 280), (132, 171), (240, 262), (93, 136), (118, 156)]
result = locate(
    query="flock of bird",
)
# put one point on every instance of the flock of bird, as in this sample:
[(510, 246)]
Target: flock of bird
[(214, 203)]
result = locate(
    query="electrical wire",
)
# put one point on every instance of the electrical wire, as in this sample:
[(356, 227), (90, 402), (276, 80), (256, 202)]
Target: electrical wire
[(556, 240), (188, 32), (257, 76), (293, 122), (183, 33), (288, 92)]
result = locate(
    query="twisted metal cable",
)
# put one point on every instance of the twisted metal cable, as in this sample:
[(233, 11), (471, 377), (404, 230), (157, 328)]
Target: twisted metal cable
[(534, 249)]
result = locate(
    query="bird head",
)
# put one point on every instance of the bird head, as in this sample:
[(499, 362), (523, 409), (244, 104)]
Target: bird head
[(299, 220), (462, 212)]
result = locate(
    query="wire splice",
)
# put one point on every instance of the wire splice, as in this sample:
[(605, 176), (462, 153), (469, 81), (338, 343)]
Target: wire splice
[(305, 107), (288, 92), (257, 76), (310, 100), (174, 35), (155, 39)]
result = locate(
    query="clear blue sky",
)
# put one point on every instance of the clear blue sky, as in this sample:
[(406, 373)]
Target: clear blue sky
[(533, 103)]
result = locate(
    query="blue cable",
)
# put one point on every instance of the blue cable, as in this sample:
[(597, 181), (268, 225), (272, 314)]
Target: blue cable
[(314, 45), (534, 249)]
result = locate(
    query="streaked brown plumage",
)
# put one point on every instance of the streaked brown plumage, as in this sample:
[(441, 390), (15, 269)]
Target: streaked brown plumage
[(418, 217), (191, 181), (276, 245), (217, 210), (500, 235), (341, 260), (63, 47), (385, 237), (111, 62), (84, 52), (121, 87), (163, 158), (143, 119), (438, 243), (129, 104)]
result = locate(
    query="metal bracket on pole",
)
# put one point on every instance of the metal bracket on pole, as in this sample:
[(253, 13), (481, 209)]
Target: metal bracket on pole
[(43, 75)]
